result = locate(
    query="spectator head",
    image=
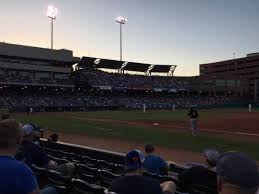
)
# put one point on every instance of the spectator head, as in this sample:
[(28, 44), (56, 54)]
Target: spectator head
[(237, 173), (5, 116), (211, 157), (53, 138), (10, 134), (149, 148), (28, 133), (134, 162)]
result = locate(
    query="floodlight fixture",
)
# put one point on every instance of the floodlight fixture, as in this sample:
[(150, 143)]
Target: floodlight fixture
[(121, 20), (52, 12)]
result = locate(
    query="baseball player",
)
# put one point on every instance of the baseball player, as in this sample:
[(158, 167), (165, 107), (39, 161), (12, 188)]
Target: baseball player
[(193, 114)]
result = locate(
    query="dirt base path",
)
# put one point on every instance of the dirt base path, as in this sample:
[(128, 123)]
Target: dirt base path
[(176, 155)]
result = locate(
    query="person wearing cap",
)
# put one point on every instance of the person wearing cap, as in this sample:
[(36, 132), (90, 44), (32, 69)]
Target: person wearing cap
[(153, 163), (15, 176), (134, 182), (237, 173), (32, 153), (201, 175)]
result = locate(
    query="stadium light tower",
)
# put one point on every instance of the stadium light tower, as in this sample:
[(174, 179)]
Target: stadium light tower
[(52, 14), (121, 20)]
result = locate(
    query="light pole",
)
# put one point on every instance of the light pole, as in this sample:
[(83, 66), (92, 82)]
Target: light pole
[(52, 14), (121, 20)]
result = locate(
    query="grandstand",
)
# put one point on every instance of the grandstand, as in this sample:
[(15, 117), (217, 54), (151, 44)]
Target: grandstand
[(36, 77)]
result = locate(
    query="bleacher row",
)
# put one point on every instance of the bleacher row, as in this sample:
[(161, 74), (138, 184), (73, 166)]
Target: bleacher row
[(94, 175)]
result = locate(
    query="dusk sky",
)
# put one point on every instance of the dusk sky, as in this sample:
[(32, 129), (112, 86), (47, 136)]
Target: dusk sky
[(181, 32)]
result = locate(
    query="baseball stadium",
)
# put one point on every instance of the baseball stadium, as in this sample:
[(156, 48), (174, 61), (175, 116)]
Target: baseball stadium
[(92, 118)]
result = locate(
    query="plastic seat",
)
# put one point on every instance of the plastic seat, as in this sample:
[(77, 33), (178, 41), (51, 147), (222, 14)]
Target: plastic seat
[(59, 160), (84, 169), (104, 165), (74, 157), (177, 168), (62, 153), (89, 161), (88, 178), (107, 177), (52, 152), (41, 175), (119, 169), (82, 187), (60, 182)]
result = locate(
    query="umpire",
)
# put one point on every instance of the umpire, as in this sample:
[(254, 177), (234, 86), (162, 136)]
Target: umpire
[(193, 114)]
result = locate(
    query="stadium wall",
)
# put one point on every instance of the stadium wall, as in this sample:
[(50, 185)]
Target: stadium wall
[(109, 156)]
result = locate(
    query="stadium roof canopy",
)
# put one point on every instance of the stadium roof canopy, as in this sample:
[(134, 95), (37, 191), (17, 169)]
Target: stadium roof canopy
[(131, 66), (93, 62), (86, 62), (161, 68), (108, 64)]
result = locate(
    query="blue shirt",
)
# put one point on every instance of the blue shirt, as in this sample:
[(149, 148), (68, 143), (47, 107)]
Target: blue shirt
[(154, 163), (34, 154), (15, 177)]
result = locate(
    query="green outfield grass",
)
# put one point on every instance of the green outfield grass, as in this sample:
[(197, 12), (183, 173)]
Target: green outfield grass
[(75, 123)]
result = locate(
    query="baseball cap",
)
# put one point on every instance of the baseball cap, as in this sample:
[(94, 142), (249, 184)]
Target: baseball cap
[(238, 169), (27, 129), (134, 160), (211, 156)]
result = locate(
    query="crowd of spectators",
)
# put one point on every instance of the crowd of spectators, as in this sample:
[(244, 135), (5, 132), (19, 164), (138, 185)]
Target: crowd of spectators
[(100, 78), (26, 79), (120, 102)]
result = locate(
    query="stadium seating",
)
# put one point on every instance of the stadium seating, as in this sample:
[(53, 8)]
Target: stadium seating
[(41, 175), (94, 175), (82, 187), (60, 182)]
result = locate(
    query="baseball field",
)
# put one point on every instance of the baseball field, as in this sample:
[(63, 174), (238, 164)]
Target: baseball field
[(222, 129)]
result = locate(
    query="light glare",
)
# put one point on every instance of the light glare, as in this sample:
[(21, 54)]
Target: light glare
[(52, 12), (121, 20)]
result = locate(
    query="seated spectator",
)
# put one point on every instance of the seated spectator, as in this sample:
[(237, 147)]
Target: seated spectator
[(199, 175), (15, 176), (237, 173), (211, 157), (37, 132), (153, 163), (52, 141), (134, 182), (31, 153), (5, 116), (53, 138)]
